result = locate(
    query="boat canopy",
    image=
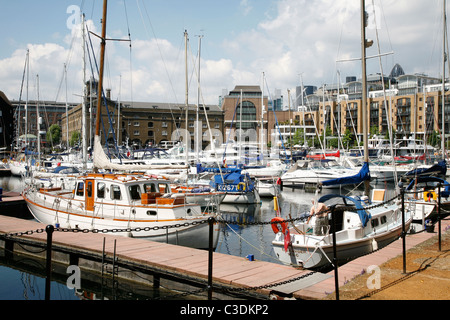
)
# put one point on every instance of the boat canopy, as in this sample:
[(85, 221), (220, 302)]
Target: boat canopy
[(363, 215), (432, 180), (364, 174), (438, 168)]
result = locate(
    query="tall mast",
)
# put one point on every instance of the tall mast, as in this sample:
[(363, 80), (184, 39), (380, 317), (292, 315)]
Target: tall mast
[(38, 119), (26, 102), (186, 97), (67, 108), (83, 108), (100, 77), (364, 88), (198, 129), (444, 58)]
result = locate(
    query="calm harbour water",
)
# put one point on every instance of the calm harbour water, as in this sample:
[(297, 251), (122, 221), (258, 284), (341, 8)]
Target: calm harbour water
[(24, 278)]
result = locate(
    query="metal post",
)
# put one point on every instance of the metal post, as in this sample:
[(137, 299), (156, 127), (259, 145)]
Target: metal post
[(439, 215), (402, 192), (211, 221), (49, 229), (335, 260)]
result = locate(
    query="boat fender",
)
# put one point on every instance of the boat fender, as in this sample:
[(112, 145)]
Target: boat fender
[(280, 183), (241, 186), (278, 220), (275, 203)]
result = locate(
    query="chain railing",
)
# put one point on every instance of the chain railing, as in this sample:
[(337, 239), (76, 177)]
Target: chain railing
[(211, 221)]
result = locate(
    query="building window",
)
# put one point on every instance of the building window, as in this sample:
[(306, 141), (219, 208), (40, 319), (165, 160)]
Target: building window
[(136, 132), (164, 133), (150, 133), (136, 123), (164, 125), (150, 124)]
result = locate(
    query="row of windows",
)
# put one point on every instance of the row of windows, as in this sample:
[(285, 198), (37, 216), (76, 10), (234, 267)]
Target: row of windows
[(115, 192)]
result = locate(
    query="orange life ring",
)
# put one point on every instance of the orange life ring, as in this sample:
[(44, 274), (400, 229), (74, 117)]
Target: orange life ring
[(275, 222)]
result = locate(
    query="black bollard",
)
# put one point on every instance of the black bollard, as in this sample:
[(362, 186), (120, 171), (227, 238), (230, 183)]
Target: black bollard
[(335, 260), (439, 217), (49, 229), (211, 221), (402, 191)]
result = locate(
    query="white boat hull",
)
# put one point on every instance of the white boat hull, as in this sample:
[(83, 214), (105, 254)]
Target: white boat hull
[(167, 219), (314, 252)]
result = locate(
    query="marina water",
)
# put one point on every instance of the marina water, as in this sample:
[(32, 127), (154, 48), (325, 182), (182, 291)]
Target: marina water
[(242, 234)]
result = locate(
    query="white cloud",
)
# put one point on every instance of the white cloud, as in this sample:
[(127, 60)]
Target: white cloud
[(302, 36)]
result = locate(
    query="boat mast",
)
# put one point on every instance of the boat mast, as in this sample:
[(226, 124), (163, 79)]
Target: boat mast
[(198, 130), (444, 58), (364, 88), (83, 107), (100, 77), (67, 108), (38, 130), (186, 97)]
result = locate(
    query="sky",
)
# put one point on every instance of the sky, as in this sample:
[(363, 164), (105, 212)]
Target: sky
[(289, 41)]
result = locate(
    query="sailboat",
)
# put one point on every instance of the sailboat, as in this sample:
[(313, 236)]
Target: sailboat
[(134, 205), (359, 226)]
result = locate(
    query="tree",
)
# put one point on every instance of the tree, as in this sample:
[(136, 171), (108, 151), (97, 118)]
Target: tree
[(75, 138), (54, 134), (348, 139)]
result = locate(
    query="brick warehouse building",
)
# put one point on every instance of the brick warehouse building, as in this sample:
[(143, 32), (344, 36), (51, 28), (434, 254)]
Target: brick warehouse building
[(7, 126), (145, 123)]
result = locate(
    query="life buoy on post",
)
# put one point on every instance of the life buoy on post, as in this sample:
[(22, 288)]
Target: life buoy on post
[(278, 220), (241, 186), (429, 195)]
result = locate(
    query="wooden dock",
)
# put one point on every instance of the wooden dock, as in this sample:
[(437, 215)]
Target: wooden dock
[(185, 264), (232, 273)]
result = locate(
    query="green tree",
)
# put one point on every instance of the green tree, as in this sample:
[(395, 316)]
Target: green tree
[(75, 138), (348, 139), (54, 134)]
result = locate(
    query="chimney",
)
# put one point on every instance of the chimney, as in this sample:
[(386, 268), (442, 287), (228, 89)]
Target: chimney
[(108, 94)]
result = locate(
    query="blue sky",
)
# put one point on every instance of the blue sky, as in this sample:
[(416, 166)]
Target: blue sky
[(242, 39)]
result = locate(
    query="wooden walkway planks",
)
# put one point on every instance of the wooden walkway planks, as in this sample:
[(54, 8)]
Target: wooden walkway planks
[(228, 270), (353, 268), (180, 261)]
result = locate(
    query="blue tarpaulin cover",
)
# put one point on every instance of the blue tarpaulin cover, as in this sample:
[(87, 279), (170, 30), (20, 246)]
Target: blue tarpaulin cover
[(364, 174)]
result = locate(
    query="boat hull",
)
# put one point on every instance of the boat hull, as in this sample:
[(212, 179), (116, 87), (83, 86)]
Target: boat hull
[(187, 232), (313, 258)]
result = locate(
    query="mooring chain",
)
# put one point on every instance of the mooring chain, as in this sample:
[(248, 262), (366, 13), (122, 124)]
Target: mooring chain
[(270, 285), (137, 229), (187, 224)]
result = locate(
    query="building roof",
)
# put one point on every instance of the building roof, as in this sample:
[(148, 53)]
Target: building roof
[(166, 106), (246, 88)]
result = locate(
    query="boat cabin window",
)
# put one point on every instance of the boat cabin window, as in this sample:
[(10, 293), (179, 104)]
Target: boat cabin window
[(89, 188), (135, 192), (80, 189), (374, 223), (150, 187), (163, 188), (115, 192), (383, 219), (101, 190)]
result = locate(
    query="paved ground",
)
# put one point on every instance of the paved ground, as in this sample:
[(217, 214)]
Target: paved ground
[(427, 276)]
